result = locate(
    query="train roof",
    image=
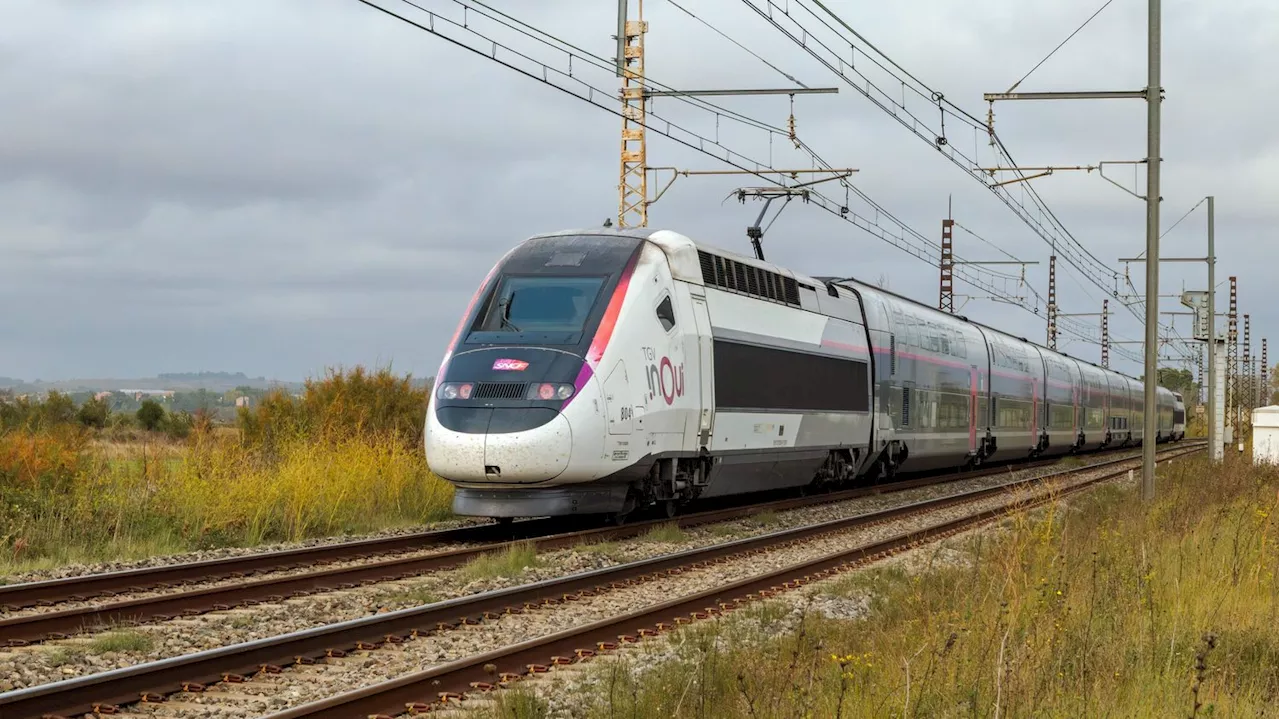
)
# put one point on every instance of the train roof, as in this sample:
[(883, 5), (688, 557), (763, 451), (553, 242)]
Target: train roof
[(668, 236)]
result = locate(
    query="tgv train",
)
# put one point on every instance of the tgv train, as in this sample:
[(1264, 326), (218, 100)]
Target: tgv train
[(600, 371)]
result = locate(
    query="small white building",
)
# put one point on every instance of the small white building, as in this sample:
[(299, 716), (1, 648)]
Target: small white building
[(1266, 435)]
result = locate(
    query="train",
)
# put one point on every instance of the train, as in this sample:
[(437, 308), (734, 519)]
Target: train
[(604, 371)]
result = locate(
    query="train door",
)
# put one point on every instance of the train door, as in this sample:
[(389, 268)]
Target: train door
[(706, 371), (973, 408)]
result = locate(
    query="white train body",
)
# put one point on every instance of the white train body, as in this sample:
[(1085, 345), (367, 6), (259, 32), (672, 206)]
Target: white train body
[(596, 371)]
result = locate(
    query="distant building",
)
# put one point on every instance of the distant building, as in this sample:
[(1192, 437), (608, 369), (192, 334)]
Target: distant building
[(139, 394), (103, 395), (242, 401)]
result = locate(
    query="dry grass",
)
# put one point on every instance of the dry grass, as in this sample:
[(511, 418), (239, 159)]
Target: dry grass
[(343, 462), (1107, 608)]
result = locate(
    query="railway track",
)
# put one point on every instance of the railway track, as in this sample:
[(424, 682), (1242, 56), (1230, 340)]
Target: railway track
[(45, 621), (192, 674)]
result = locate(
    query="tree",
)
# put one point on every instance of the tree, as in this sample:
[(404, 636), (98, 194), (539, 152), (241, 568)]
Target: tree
[(94, 412), (1181, 381), (150, 414)]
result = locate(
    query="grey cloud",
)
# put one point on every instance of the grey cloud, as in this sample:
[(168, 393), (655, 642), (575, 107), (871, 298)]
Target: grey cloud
[(273, 187)]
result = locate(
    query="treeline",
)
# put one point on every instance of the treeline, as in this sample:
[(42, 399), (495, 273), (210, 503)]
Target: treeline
[(59, 411), (352, 404)]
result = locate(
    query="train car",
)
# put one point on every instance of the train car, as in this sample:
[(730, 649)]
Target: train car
[(1061, 416), (931, 380), (1119, 411), (1017, 389), (1136, 414), (599, 371), (1094, 409)]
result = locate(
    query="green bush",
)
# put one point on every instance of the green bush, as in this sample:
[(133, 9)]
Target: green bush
[(150, 415), (94, 413)]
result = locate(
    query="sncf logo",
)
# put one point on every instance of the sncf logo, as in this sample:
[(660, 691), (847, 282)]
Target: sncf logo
[(509, 365)]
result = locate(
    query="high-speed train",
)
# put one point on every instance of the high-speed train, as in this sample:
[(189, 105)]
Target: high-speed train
[(599, 371)]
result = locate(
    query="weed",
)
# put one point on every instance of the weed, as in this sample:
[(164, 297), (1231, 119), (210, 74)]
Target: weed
[(510, 562), (123, 641), (65, 655), (607, 549), (767, 518), (519, 703), (667, 533)]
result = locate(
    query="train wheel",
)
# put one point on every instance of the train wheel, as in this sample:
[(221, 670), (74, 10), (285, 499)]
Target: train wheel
[(669, 508)]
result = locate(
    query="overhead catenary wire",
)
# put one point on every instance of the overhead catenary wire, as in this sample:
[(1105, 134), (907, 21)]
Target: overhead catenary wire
[(593, 59), (1059, 47), (1047, 226), (744, 48), (438, 25)]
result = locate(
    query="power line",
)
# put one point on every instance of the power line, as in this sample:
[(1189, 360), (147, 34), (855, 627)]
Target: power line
[(905, 237), (744, 48), (1059, 47), (1047, 226)]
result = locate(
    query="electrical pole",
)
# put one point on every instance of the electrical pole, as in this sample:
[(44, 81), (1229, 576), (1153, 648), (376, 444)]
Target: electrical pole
[(1150, 348), (946, 286), (1152, 94), (1215, 439), (1264, 392), (633, 186), (1233, 367), (1052, 309), (1246, 403), (1106, 338), (633, 170)]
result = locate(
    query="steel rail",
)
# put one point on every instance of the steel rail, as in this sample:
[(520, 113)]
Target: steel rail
[(451, 682), (54, 625), (27, 594), (104, 690), (48, 592)]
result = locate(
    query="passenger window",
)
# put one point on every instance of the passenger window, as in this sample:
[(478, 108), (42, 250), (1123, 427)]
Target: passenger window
[(666, 314)]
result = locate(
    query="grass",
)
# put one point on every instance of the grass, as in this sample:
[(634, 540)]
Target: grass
[(346, 458), (511, 562), (608, 549), (121, 641), (667, 533), (1104, 607)]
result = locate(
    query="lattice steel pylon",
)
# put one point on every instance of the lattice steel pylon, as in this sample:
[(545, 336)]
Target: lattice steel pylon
[(633, 187), (1233, 367), (946, 285), (1051, 329), (1264, 391), (1106, 338), (1246, 386)]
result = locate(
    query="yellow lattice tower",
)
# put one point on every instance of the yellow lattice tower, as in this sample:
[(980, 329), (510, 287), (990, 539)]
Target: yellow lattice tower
[(633, 190)]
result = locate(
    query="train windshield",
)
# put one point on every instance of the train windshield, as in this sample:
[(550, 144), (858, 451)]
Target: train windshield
[(538, 305)]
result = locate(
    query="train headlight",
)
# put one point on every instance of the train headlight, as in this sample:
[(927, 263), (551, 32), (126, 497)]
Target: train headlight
[(549, 391), (455, 390)]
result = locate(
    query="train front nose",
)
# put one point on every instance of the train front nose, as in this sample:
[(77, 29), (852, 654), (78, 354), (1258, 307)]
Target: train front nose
[(497, 418), (499, 444)]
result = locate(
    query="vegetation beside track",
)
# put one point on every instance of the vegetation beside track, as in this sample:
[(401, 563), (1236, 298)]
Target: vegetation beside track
[(344, 457), (1108, 607)]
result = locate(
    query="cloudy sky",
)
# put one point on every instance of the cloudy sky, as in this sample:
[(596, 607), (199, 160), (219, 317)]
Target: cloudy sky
[(274, 187)]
